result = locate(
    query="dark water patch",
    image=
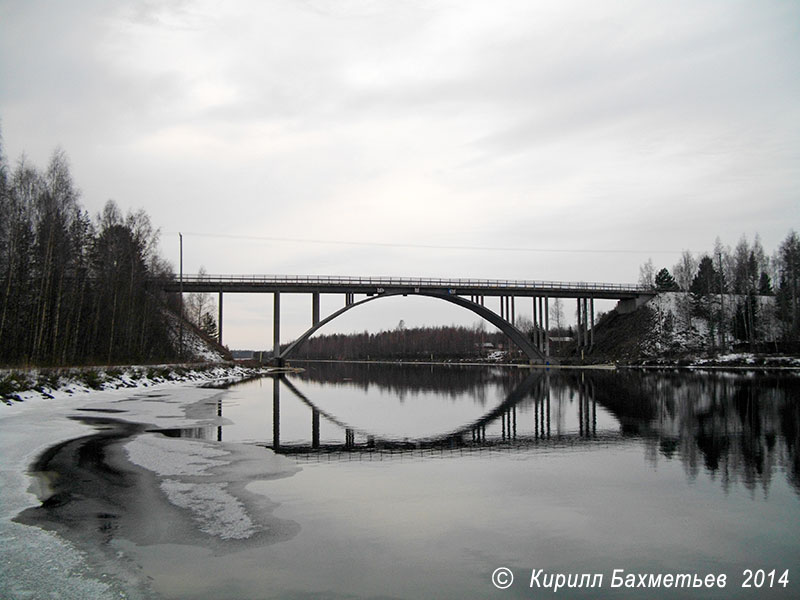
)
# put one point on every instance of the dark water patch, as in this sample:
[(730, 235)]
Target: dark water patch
[(96, 498), (103, 410)]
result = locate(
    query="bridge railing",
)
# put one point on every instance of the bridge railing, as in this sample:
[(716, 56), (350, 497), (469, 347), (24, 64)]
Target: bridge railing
[(415, 282)]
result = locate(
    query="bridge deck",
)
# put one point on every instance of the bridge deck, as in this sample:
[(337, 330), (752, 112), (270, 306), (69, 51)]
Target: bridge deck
[(409, 285)]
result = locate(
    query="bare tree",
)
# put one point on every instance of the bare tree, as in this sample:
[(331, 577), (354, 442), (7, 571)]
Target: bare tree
[(557, 313), (647, 274), (685, 270)]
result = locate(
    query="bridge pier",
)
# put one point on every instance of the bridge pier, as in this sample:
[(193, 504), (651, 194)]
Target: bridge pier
[(585, 324), (314, 308), (276, 327), (219, 320), (547, 326)]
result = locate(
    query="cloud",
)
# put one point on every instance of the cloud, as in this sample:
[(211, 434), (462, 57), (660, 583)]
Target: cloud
[(565, 125)]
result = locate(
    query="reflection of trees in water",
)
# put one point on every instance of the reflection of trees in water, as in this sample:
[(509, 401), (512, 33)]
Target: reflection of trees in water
[(403, 379), (739, 428)]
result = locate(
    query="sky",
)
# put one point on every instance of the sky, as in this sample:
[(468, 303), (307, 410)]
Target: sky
[(565, 140)]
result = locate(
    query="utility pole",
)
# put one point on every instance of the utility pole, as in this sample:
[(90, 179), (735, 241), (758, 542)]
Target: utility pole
[(721, 303), (180, 315)]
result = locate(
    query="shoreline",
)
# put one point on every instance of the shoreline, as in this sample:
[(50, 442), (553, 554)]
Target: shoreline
[(19, 387)]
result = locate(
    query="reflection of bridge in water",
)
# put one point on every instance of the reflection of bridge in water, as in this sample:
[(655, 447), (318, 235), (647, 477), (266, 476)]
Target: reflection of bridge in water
[(743, 428), (471, 437)]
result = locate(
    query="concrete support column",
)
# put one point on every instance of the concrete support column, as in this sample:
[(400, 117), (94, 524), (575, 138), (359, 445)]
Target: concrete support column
[(591, 331), (314, 308), (276, 326), (513, 301), (219, 320), (535, 324), (547, 326), (585, 322), (578, 326), (540, 328)]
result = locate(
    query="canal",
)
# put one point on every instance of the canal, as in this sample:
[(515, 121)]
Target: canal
[(420, 481), (404, 481)]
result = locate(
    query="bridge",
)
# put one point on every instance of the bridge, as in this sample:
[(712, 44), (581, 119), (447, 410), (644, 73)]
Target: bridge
[(467, 293)]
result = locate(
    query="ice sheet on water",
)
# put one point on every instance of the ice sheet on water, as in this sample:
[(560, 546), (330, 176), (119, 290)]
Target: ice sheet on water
[(215, 510), (169, 456)]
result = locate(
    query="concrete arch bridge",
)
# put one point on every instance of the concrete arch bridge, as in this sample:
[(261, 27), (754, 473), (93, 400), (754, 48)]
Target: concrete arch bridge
[(470, 294)]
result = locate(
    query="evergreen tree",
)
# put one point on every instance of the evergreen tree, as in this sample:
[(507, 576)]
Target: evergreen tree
[(208, 325), (764, 284), (665, 282), (788, 296), (706, 281)]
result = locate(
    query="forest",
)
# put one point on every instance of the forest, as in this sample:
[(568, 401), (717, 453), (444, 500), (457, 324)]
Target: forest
[(419, 343), (73, 288), (741, 294)]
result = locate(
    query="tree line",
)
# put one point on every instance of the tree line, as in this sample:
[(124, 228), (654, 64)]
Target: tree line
[(742, 293), (72, 287), (419, 343)]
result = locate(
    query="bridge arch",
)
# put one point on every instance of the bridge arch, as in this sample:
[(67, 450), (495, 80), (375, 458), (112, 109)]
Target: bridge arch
[(516, 336)]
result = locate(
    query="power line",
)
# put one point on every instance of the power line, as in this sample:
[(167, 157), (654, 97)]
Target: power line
[(429, 246)]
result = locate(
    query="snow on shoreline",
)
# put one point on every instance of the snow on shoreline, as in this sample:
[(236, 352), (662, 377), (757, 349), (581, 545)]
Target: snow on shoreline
[(23, 388)]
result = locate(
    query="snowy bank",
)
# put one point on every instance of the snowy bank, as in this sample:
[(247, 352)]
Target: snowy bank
[(24, 386)]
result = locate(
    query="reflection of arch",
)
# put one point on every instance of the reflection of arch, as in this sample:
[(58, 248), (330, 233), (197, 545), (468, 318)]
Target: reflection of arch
[(516, 395), (516, 336), (520, 392)]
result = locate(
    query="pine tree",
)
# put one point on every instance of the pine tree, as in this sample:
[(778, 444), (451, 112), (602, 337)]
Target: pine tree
[(208, 325), (765, 285), (665, 282)]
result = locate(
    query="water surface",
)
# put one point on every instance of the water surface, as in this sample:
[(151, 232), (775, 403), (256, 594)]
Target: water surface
[(420, 481)]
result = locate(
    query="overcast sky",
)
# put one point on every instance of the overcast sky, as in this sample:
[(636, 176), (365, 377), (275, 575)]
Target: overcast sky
[(587, 136)]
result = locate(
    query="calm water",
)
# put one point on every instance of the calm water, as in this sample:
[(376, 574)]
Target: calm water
[(419, 481)]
